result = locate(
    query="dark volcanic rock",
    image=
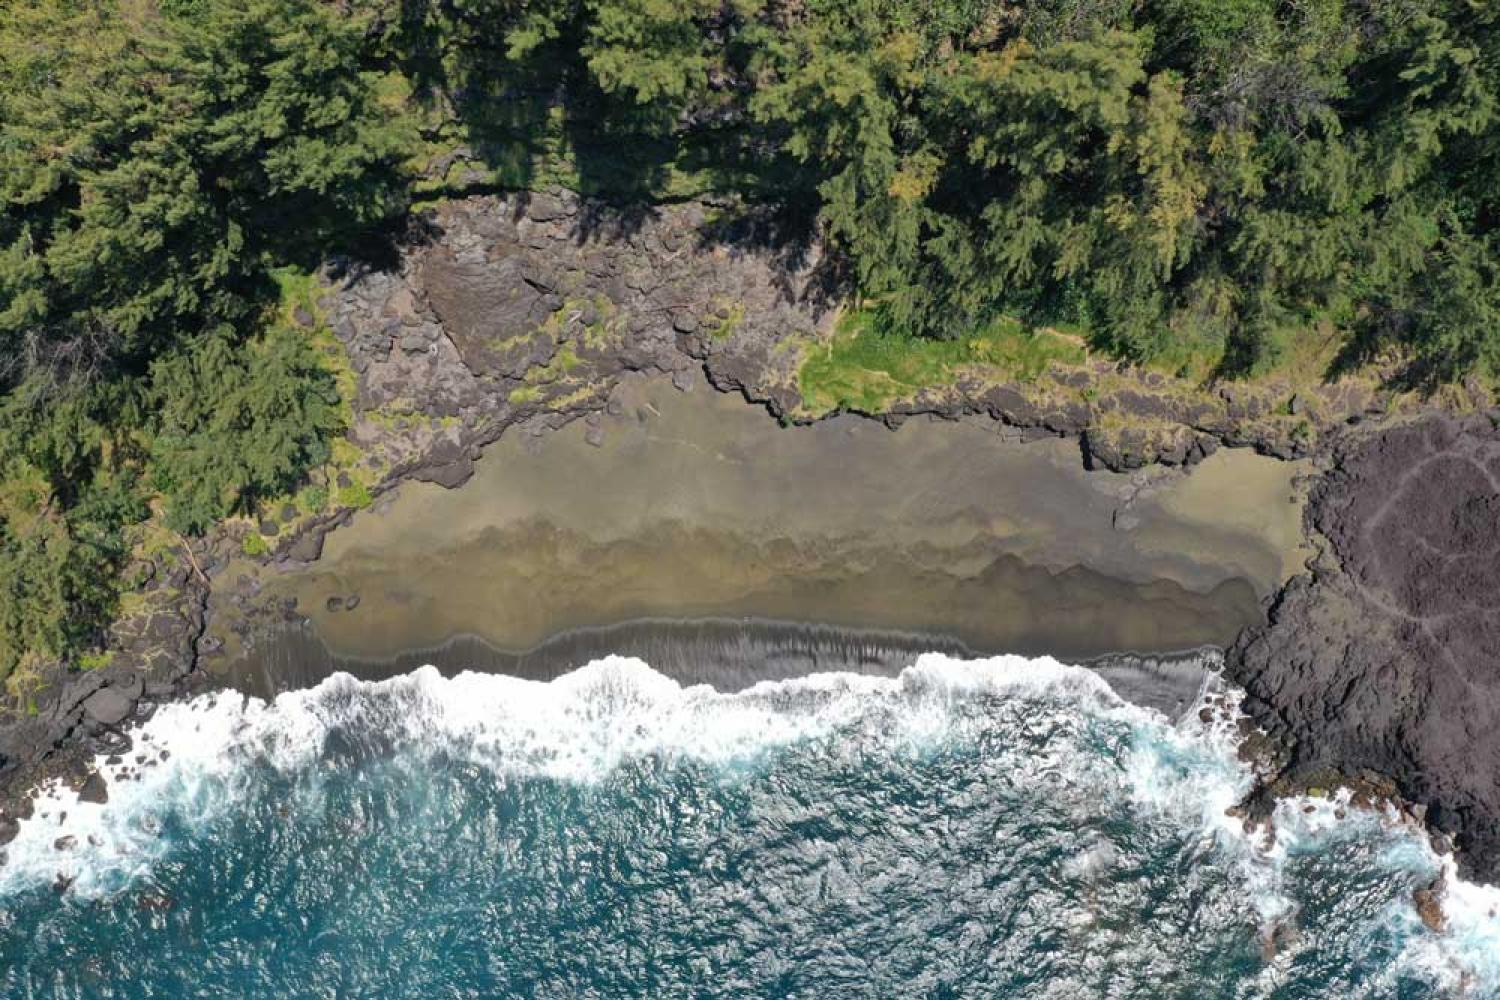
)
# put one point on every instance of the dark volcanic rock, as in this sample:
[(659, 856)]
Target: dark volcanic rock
[(449, 476), (306, 548), (490, 311), (94, 790), (109, 707), (1387, 659)]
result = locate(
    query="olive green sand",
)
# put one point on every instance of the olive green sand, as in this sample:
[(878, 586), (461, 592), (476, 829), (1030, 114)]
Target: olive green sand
[(697, 505)]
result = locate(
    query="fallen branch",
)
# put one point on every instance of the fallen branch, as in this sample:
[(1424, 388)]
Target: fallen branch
[(202, 576)]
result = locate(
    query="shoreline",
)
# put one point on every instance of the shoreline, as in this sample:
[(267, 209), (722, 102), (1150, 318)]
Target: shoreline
[(729, 655), (686, 504), (445, 365)]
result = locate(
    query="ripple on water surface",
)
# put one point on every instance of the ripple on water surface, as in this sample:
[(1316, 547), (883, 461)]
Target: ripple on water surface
[(1002, 827)]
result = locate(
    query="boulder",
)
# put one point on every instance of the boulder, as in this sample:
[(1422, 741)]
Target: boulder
[(307, 548), (108, 706), (94, 790), (449, 476)]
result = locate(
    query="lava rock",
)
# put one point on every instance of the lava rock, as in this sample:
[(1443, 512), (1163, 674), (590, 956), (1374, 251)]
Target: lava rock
[(109, 706), (94, 790)]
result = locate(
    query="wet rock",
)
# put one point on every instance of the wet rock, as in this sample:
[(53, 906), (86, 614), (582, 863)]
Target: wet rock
[(1429, 904), (94, 790), (66, 843), (334, 604)]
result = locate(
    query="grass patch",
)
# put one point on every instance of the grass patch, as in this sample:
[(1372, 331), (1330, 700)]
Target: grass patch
[(729, 324), (254, 546), (565, 360), (865, 367), (356, 495), (24, 682), (96, 661)]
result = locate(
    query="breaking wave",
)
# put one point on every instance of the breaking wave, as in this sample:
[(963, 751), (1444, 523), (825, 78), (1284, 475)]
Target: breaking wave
[(1005, 826)]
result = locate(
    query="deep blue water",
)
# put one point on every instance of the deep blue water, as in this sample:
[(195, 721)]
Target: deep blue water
[(995, 829)]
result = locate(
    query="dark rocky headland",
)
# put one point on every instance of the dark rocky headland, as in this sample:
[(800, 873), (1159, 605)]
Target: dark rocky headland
[(1381, 667), (521, 314)]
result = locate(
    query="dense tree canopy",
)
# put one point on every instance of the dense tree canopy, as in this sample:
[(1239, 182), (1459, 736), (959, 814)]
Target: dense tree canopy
[(1179, 178), (152, 169)]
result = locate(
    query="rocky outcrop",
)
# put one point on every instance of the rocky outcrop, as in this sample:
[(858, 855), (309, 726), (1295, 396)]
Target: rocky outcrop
[(1385, 662), (508, 309), (78, 714)]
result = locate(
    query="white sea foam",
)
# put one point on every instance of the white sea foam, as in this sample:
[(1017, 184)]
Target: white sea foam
[(579, 727), (584, 725)]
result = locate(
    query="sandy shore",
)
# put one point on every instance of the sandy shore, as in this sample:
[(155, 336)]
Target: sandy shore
[(692, 505)]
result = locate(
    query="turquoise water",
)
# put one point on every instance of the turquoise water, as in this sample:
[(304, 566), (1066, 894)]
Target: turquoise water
[(1001, 828)]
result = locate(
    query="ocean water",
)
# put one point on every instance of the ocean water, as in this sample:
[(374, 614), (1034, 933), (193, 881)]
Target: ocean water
[(993, 828)]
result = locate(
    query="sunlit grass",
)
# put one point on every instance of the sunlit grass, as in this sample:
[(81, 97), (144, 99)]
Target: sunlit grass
[(866, 368)]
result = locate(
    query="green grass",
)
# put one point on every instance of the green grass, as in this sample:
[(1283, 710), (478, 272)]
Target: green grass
[(866, 368), (96, 660), (729, 324), (356, 496), (254, 546)]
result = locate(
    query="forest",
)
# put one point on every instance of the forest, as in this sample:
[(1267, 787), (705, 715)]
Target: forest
[(1176, 178)]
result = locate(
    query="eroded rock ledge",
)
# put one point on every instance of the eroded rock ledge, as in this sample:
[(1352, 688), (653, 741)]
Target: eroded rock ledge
[(1383, 665)]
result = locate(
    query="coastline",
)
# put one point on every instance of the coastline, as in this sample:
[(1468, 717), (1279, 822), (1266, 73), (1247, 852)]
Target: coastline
[(446, 351), (728, 655), (687, 505)]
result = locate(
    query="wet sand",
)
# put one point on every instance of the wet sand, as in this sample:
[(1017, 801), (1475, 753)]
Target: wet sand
[(727, 654), (696, 505)]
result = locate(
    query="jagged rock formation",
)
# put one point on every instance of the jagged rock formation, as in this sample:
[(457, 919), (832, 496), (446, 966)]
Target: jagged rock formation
[(1385, 662)]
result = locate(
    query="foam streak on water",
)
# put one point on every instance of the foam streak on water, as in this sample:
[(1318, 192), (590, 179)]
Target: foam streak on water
[(1000, 827)]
